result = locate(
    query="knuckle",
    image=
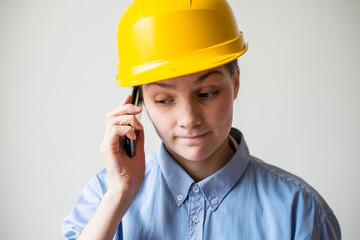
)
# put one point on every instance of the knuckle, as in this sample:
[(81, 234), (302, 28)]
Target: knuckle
[(113, 130), (128, 120), (133, 118), (128, 130), (111, 121), (123, 122), (129, 108), (109, 114)]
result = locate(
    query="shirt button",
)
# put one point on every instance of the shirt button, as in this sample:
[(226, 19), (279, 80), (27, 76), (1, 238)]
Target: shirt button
[(179, 197), (195, 189), (196, 219), (214, 201)]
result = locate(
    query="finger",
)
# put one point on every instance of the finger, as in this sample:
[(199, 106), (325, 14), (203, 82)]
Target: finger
[(127, 109), (125, 101), (121, 131), (125, 120), (115, 136)]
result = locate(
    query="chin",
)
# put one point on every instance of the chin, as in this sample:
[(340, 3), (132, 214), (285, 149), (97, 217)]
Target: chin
[(193, 154)]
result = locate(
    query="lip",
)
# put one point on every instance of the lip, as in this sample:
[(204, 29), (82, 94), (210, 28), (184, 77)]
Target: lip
[(193, 138)]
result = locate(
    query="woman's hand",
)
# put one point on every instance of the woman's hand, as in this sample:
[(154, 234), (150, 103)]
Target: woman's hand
[(125, 174)]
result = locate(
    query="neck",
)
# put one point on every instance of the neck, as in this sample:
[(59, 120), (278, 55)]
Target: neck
[(199, 170)]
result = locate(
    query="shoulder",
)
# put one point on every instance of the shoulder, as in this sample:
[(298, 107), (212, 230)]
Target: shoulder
[(292, 194), (285, 185), (273, 173)]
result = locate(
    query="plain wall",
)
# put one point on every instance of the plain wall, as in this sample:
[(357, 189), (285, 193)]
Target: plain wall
[(298, 107)]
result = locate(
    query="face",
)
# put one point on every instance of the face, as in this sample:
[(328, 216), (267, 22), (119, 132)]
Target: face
[(192, 114)]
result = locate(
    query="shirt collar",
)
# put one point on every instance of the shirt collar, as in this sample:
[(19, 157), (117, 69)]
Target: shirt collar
[(178, 180), (214, 187)]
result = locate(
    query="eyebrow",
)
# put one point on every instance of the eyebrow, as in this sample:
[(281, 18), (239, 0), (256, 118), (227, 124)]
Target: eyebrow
[(197, 81)]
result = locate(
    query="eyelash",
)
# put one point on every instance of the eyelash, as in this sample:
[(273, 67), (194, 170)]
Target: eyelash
[(163, 102), (206, 95)]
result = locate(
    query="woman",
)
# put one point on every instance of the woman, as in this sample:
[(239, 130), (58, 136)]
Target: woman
[(203, 183)]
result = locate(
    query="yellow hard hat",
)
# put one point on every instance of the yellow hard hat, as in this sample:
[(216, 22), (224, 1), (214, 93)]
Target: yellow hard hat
[(162, 39)]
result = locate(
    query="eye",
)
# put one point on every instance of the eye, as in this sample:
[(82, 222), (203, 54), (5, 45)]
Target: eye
[(208, 94), (163, 101)]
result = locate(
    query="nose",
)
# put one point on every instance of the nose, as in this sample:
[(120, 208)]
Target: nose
[(189, 115)]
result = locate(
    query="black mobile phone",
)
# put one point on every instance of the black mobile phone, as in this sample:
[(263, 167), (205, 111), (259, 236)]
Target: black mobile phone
[(129, 143)]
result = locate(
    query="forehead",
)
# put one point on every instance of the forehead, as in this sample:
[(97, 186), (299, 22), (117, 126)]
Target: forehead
[(192, 79)]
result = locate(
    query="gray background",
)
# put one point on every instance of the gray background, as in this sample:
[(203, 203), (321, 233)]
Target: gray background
[(299, 103)]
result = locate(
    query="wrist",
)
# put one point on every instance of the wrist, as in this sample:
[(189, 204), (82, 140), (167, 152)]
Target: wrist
[(121, 196)]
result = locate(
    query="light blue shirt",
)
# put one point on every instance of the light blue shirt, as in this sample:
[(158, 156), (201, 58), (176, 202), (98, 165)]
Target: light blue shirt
[(246, 199)]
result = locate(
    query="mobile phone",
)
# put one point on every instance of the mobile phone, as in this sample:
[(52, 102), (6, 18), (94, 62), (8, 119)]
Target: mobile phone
[(129, 143)]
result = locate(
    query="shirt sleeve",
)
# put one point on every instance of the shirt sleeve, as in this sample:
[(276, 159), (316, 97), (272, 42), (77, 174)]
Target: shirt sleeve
[(328, 228), (313, 219), (85, 206)]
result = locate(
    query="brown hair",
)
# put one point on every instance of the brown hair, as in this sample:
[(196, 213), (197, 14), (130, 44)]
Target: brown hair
[(232, 67)]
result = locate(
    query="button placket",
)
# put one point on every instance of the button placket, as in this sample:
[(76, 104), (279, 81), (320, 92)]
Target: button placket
[(195, 213), (196, 219)]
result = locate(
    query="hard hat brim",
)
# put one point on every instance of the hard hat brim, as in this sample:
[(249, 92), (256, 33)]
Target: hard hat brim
[(196, 61)]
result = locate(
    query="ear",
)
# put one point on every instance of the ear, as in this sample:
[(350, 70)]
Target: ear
[(236, 82)]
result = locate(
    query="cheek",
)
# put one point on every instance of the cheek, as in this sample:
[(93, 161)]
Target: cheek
[(221, 111), (160, 120)]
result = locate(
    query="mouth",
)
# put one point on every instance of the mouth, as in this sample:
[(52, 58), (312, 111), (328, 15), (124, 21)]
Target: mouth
[(193, 138)]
